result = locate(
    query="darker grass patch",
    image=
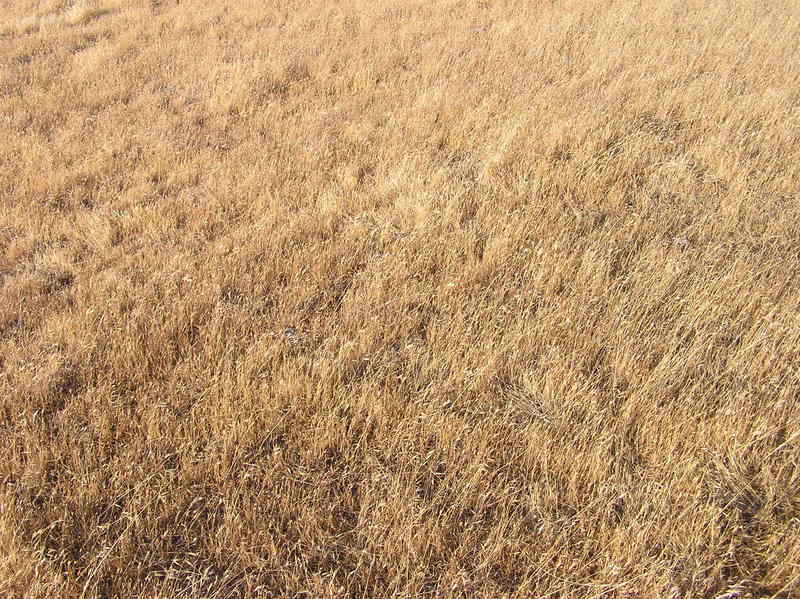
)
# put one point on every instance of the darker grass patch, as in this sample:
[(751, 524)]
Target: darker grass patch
[(54, 281)]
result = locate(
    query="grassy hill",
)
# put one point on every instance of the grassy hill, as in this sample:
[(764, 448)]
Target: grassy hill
[(431, 298)]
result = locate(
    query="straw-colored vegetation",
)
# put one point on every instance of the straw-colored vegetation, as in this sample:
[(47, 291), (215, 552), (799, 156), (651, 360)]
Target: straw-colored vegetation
[(399, 298)]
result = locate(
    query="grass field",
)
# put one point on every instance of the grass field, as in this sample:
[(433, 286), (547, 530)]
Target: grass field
[(419, 298)]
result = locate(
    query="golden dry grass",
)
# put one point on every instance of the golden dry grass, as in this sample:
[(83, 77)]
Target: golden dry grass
[(379, 299)]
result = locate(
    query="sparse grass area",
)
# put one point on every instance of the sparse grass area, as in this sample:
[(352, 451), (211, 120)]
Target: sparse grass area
[(399, 299)]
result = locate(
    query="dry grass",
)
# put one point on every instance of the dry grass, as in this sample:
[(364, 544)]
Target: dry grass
[(423, 298)]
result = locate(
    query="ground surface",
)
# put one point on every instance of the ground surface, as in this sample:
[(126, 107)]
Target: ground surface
[(422, 298)]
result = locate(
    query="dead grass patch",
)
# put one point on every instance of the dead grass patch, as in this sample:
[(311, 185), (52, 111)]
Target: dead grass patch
[(431, 299)]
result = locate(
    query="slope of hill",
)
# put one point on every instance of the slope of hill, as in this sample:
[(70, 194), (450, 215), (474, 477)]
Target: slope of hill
[(379, 299)]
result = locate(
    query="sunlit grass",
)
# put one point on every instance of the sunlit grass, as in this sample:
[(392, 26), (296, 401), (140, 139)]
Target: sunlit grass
[(399, 299)]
